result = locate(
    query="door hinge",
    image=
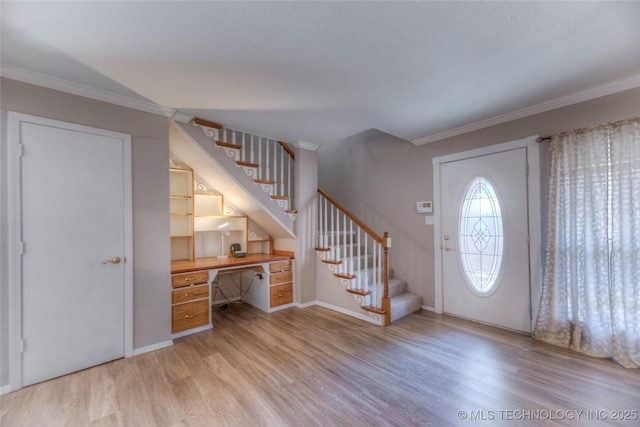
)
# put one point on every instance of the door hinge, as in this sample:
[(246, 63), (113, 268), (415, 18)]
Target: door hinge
[(21, 248), (528, 240), (526, 169), (20, 150), (21, 346)]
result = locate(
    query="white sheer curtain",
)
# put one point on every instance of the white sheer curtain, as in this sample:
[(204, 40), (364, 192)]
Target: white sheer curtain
[(591, 292)]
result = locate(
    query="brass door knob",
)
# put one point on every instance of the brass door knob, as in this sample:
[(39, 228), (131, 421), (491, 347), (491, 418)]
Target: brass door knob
[(114, 260)]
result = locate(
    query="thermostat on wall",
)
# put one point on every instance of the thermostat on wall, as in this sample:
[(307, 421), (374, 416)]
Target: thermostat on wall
[(424, 207)]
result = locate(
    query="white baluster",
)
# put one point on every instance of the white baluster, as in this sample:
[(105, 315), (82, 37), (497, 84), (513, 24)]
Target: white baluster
[(319, 228), (282, 172), (244, 148), (344, 231), (366, 262), (326, 229), (351, 243), (380, 278), (333, 227), (275, 166), (359, 266), (289, 161)]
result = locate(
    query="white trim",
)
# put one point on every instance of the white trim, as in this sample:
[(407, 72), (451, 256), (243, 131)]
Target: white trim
[(152, 347), (534, 200), (181, 117), (361, 316), (597, 92), (306, 304), (5, 389), (192, 331), (15, 218), (305, 145), (27, 76), (428, 308)]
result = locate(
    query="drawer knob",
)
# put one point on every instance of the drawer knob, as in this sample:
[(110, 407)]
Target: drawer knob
[(191, 294), (190, 316)]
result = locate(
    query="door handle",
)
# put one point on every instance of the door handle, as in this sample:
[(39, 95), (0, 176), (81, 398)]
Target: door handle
[(114, 260), (447, 248)]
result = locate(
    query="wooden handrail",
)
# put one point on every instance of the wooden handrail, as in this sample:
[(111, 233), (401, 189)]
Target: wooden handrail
[(286, 148), (206, 123), (380, 239)]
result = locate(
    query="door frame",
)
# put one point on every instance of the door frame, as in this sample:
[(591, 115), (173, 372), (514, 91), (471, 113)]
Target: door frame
[(15, 248), (533, 155)]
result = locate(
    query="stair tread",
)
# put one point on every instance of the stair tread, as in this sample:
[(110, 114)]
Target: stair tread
[(207, 123), (264, 181), (404, 304), (291, 211), (280, 197), (397, 287), (373, 309), (332, 261), (323, 249), (359, 292), (228, 145), (248, 164)]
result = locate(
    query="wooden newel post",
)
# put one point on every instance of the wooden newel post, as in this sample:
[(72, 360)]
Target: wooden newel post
[(386, 301)]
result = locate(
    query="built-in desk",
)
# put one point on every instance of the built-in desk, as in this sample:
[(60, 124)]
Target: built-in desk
[(270, 275)]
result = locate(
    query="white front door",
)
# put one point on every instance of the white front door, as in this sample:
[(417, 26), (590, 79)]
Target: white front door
[(73, 216), (484, 239)]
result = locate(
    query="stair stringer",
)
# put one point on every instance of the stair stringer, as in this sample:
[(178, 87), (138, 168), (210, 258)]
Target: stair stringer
[(251, 171), (361, 300), (261, 208)]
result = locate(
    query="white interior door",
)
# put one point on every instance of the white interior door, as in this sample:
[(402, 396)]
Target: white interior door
[(484, 241), (73, 211)]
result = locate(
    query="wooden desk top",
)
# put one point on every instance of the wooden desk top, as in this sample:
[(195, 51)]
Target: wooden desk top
[(211, 263)]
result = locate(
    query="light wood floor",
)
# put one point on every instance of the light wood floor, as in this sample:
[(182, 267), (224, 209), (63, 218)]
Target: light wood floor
[(315, 367)]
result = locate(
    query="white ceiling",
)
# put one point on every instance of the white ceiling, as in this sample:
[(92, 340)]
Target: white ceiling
[(321, 71)]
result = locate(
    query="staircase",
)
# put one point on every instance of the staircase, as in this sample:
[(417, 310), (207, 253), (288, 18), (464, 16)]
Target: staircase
[(268, 162), (359, 260)]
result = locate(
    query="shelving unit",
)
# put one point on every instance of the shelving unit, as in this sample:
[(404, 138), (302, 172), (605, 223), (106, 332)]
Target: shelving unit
[(208, 220), (181, 211)]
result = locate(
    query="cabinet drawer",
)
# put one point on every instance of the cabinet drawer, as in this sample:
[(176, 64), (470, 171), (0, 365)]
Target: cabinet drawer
[(280, 265), (189, 315), (187, 279), (281, 294), (284, 277), (189, 293)]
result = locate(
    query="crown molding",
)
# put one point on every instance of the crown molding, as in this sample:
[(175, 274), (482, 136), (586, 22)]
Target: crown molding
[(181, 117), (608, 89), (305, 145), (39, 79)]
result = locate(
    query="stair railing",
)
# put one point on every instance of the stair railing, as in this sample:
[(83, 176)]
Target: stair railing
[(274, 158), (360, 256)]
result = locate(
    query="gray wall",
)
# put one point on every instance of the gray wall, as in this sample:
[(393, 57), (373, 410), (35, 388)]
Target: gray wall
[(150, 156), (379, 177)]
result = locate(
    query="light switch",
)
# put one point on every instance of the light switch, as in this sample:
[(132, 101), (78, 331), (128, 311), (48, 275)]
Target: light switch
[(428, 220), (424, 207)]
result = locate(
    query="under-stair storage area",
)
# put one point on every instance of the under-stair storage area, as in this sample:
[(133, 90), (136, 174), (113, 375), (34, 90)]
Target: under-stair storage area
[(181, 206)]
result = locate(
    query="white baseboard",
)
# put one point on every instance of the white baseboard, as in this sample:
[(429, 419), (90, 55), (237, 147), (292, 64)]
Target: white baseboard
[(152, 347), (5, 389), (361, 316), (307, 304), (426, 307)]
